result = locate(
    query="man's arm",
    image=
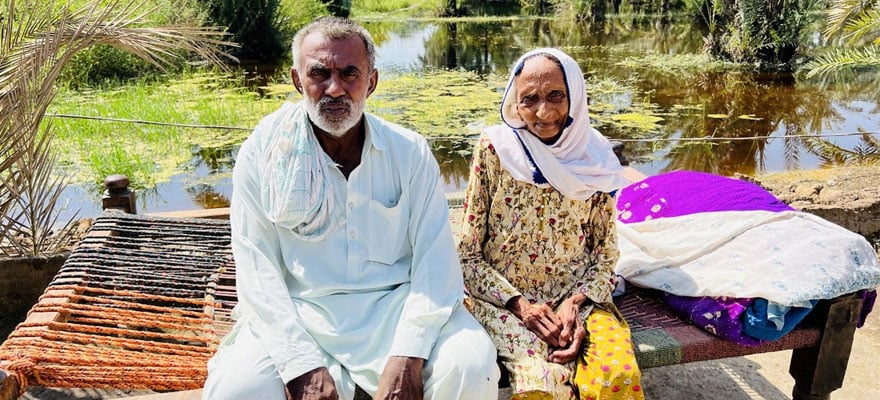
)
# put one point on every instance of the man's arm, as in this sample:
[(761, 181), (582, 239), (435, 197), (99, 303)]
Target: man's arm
[(262, 292), (316, 384), (435, 276)]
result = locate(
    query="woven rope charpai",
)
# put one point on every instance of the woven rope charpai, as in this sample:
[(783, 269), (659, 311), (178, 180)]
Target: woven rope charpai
[(140, 303), (661, 338)]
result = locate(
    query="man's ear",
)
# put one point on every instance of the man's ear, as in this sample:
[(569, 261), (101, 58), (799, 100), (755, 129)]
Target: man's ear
[(296, 82), (374, 80)]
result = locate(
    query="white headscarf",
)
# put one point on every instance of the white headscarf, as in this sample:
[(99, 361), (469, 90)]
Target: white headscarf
[(580, 163)]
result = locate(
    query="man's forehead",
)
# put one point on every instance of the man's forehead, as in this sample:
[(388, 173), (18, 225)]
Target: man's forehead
[(319, 51)]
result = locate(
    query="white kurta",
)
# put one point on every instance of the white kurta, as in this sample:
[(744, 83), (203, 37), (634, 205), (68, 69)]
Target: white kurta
[(383, 284)]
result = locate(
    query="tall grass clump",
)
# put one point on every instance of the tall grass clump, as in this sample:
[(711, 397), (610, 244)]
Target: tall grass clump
[(408, 7), (37, 39), (101, 65)]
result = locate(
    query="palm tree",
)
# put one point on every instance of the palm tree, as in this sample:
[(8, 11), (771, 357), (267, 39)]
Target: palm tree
[(37, 39), (858, 23)]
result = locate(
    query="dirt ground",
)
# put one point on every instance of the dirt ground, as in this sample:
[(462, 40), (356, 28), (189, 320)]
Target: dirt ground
[(849, 197)]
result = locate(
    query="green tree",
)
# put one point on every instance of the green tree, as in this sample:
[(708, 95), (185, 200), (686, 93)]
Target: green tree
[(257, 25), (764, 33)]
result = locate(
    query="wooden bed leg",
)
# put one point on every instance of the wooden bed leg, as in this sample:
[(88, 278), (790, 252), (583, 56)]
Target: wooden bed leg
[(8, 386), (818, 371), (118, 195)]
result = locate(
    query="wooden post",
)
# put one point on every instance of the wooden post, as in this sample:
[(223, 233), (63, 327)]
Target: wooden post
[(8, 386), (618, 148), (118, 196), (818, 371)]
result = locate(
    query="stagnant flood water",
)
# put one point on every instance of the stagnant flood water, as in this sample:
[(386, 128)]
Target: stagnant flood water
[(842, 116)]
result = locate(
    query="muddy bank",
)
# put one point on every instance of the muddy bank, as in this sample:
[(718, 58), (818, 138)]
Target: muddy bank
[(847, 196)]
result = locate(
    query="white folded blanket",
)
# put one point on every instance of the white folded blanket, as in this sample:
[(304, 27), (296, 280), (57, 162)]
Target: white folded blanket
[(787, 258)]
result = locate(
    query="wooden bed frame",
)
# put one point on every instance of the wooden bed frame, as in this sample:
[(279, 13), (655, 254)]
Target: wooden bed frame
[(821, 344)]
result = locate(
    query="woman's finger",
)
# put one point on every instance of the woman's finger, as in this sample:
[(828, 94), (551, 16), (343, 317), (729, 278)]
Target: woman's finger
[(570, 352)]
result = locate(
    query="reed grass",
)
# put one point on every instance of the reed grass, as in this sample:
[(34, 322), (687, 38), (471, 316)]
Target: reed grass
[(361, 8), (92, 149)]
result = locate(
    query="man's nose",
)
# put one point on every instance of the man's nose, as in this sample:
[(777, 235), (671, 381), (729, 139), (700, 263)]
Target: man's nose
[(335, 86)]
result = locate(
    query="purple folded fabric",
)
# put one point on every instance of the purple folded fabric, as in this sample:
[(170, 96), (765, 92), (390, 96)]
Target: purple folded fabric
[(721, 316), (679, 193), (688, 192)]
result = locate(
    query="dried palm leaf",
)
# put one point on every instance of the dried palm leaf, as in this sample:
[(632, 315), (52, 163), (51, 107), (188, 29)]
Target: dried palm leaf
[(37, 39)]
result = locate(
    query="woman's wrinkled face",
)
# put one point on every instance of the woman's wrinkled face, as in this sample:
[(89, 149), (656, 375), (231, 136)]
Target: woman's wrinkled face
[(542, 98)]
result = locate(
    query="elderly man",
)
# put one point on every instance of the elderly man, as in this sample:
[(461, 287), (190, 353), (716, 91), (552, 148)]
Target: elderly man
[(347, 272)]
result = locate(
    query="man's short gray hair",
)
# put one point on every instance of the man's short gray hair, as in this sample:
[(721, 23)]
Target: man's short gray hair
[(334, 28)]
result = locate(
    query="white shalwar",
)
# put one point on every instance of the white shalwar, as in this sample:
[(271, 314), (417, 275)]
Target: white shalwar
[(384, 281)]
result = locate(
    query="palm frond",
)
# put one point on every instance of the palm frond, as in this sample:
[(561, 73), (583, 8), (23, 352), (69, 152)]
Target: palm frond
[(37, 40), (791, 146), (844, 59), (864, 24), (842, 11), (872, 144), (830, 153)]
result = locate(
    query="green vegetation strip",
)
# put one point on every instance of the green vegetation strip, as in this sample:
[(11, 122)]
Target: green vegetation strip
[(89, 150), (436, 104)]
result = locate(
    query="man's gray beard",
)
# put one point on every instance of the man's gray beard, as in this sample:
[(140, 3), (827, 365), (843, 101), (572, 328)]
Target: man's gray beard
[(335, 128)]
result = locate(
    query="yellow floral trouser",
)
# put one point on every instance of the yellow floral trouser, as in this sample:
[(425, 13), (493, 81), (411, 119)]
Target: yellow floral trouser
[(607, 369)]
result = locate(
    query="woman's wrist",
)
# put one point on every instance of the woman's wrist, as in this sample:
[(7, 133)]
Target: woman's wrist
[(578, 299), (516, 305)]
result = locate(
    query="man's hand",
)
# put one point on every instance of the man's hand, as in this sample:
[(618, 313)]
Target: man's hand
[(401, 379), (539, 319), (316, 384), (573, 332)]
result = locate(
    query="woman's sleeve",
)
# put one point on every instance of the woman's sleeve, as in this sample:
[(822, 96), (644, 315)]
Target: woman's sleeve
[(601, 250), (481, 279)]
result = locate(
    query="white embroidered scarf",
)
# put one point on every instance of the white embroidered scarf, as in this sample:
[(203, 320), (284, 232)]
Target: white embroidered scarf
[(293, 186), (580, 163)]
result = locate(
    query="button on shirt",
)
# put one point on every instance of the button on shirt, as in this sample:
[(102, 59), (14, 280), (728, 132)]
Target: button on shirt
[(383, 284)]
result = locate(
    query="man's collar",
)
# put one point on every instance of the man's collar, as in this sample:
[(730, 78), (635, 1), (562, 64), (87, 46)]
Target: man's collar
[(372, 128)]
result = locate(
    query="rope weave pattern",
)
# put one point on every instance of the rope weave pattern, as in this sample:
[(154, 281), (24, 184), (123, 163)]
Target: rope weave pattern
[(140, 304)]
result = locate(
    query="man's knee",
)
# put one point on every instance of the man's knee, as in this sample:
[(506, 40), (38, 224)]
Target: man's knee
[(229, 381), (469, 357), (243, 370)]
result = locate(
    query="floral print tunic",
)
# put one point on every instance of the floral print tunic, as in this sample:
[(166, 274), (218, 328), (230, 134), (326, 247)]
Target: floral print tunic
[(518, 239)]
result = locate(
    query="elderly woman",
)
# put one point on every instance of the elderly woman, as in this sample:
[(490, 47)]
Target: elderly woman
[(538, 243)]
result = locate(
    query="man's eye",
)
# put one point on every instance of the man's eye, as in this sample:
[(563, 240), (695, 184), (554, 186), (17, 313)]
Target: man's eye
[(318, 73), (350, 74)]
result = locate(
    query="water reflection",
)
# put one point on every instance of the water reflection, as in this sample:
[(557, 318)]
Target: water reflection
[(454, 157), (492, 46), (778, 108)]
